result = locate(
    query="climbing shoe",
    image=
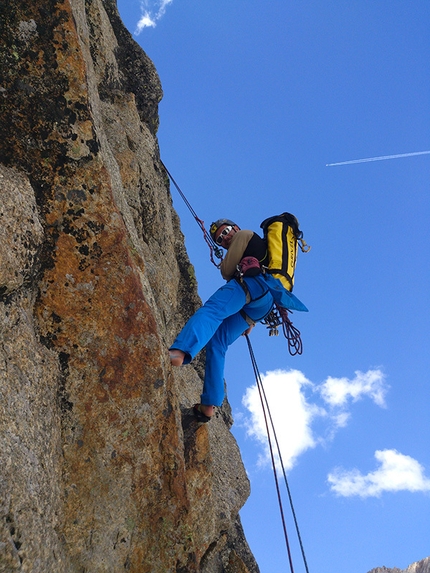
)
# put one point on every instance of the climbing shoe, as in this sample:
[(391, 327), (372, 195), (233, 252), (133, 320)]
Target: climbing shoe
[(199, 415)]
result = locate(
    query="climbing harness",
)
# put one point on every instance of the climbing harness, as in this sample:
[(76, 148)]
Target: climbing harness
[(268, 418), (213, 247), (277, 317)]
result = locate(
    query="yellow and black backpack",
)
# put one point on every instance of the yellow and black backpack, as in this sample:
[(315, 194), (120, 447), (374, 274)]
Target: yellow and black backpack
[(283, 237)]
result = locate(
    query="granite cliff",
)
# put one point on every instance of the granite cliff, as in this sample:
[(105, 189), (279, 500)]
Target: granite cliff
[(102, 468)]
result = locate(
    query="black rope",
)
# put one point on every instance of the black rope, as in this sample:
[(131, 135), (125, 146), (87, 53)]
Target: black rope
[(267, 414), (277, 317), (213, 247), (291, 333), (261, 392)]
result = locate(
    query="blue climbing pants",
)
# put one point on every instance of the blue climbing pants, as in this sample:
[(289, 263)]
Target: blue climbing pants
[(218, 323)]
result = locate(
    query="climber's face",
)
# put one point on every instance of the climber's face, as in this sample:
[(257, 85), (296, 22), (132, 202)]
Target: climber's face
[(224, 235)]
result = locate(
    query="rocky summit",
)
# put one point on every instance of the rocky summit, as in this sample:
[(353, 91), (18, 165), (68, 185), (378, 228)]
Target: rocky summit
[(102, 467), (418, 567)]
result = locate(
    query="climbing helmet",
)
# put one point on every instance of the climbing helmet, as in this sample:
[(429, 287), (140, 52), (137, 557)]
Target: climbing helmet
[(219, 223)]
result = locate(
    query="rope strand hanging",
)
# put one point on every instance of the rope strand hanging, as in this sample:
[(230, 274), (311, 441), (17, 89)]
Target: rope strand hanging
[(268, 417), (213, 247)]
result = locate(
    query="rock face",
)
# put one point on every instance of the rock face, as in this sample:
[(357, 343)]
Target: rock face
[(102, 468), (418, 567)]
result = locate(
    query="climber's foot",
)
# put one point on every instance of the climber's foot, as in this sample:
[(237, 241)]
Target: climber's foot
[(203, 413), (176, 357)]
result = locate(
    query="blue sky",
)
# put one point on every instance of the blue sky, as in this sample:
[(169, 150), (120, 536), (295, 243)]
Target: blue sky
[(258, 98)]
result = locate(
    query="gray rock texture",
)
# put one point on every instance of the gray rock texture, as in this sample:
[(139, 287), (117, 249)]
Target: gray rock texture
[(417, 567), (102, 468)]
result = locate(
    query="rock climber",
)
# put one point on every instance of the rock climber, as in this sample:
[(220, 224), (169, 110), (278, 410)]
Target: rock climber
[(233, 310)]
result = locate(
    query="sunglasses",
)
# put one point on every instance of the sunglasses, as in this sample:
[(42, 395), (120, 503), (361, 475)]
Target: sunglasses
[(223, 234)]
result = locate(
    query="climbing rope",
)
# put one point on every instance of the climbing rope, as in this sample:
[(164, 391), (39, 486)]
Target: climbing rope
[(279, 316), (268, 417), (213, 247)]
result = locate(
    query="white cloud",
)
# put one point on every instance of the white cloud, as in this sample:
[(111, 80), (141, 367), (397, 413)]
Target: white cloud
[(397, 472), (292, 415), (295, 417), (152, 11), (337, 391), (145, 22), (162, 8)]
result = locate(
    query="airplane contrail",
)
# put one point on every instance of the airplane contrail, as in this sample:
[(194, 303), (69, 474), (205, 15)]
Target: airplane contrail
[(380, 158)]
